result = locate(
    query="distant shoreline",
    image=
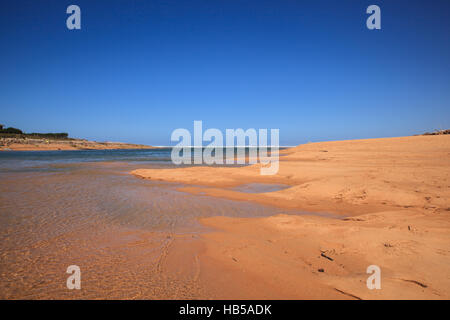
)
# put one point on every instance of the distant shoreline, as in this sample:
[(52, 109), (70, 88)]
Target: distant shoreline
[(42, 144)]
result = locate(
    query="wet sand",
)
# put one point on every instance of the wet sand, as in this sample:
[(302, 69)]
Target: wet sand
[(392, 194)]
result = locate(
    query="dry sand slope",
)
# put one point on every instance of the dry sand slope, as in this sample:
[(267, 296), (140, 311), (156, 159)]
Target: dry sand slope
[(394, 194)]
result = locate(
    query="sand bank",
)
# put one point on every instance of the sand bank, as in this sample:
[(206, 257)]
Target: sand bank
[(394, 193), (344, 177)]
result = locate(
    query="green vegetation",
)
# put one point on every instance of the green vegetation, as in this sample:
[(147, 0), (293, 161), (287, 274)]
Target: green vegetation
[(11, 132), (61, 135)]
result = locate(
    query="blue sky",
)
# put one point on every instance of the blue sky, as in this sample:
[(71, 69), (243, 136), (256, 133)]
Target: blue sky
[(138, 69)]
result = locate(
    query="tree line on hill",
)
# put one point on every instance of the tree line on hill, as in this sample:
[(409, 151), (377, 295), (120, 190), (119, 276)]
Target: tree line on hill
[(10, 131)]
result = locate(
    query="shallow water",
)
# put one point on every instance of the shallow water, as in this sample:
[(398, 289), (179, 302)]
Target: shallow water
[(260, 187), (59, 208)]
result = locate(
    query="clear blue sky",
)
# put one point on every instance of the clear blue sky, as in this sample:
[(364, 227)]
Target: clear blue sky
[(139, 69)]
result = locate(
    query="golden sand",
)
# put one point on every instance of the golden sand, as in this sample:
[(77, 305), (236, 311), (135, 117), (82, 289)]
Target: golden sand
[(394, 194)]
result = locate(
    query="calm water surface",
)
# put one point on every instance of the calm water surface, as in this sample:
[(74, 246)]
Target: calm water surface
[(83, 207)]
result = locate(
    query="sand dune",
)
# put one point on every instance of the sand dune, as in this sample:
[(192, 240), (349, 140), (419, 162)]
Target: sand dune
[(394, 194)]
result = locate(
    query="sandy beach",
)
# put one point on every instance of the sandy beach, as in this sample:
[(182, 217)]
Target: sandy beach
[(167, 232), (377, 202)]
